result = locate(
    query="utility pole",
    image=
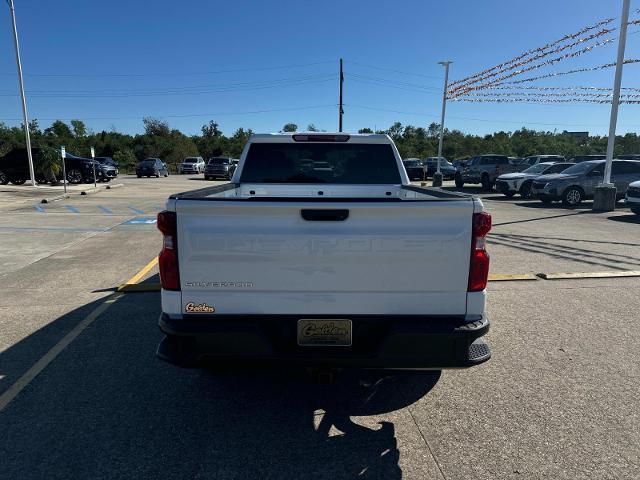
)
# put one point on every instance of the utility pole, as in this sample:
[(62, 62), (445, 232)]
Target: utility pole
[(341, 111), (437, 177), (604, 199), (25, 118)]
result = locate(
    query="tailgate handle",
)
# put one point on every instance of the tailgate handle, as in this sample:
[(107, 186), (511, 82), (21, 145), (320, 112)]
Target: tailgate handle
[(324, 215)]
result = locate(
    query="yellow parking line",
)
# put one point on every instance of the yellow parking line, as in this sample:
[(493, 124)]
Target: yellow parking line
[(48, 357), (138, 276), (139, 287), (572, 275), (509, 277)]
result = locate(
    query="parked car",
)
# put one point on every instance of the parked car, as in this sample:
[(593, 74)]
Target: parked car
[(632, 156), (485, 169), (108, 168), (191, 165), (520, 182), (578, 182), (151, 167), (535, 159), (586, 158), (219, 167), (633, 197), (284, 265), (446, 167), (14, 167), (415, 168)]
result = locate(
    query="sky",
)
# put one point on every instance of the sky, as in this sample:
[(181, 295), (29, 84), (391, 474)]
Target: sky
[(262, 64)]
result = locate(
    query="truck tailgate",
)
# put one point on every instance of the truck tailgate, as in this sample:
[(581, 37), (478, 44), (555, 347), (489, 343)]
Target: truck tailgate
[(253, 257)]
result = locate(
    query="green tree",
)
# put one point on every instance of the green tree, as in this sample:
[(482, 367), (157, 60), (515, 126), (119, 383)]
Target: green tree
[(156, 127), (79, 128), (290, 127)]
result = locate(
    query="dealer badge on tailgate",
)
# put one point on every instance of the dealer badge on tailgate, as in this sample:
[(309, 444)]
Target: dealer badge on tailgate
[(198, 308), (324, 332)]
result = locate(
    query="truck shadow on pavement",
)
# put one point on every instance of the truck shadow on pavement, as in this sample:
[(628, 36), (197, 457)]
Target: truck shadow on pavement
[(106, 407)]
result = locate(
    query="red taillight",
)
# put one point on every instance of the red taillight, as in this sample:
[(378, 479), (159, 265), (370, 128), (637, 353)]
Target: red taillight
[(479, 264), (168, 258)]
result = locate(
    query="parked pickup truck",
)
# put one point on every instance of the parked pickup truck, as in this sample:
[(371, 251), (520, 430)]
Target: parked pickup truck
[(320, 253), (485, 169)]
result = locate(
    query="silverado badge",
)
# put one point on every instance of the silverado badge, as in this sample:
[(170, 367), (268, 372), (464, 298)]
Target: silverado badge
[(199, 308)]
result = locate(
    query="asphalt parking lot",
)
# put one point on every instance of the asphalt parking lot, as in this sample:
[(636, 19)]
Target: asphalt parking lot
[(82, 394)]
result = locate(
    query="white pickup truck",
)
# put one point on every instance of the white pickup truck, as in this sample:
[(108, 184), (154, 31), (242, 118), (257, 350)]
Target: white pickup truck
[(320, 252)]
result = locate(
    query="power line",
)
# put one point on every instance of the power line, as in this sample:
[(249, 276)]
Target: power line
[(178, 91), (394, 70), (218, 114), (167, 74), (484, 120)]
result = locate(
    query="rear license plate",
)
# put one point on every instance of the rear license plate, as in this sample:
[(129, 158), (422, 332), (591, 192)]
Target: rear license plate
[(324, 332)]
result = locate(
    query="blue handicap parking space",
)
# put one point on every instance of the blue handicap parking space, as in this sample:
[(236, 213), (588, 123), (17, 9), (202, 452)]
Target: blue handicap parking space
[(140, 221)]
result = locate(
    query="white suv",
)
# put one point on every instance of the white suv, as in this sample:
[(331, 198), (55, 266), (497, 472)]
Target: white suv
[(191, 165), (633, 197)]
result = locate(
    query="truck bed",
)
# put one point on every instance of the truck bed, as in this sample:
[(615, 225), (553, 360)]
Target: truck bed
[(320, 192)]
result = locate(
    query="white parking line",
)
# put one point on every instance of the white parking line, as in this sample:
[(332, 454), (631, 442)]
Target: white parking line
[(50, 356)]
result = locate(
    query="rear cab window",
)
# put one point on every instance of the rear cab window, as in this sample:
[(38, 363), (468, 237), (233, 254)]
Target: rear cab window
[(335, 163)]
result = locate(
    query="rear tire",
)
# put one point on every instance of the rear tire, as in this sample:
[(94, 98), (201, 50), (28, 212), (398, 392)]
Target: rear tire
[(572, 197), (525, 190), (74, 176), (459, 181)]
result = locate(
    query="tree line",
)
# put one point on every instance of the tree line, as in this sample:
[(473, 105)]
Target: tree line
[(171, 145)]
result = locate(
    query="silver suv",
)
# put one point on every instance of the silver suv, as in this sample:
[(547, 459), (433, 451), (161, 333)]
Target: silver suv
[(578, 182)]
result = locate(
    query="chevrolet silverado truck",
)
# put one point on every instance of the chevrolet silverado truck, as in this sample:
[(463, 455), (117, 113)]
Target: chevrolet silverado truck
[(319, 252)]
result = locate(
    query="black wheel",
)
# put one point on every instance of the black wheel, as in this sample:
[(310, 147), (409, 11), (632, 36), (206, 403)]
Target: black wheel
[(458, 180), (525, 190), (166, 174), (74, 176), (509, 194), (17, 180), (3, 178), (572, 197), (157, 175), (486, 182)]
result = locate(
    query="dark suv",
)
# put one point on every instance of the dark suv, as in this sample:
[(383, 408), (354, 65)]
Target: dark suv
[(152, 167), (14, 167), (485, 169), (219, 167), (108, 168)]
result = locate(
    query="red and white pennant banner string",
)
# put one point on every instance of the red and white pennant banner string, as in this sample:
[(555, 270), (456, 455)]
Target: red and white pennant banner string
[(568, 72), (534, 51), (462, 86), (540, 100), (456, 92)]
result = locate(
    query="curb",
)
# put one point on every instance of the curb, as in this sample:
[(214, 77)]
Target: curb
[(90, 190), (54, 199), (116, 185)]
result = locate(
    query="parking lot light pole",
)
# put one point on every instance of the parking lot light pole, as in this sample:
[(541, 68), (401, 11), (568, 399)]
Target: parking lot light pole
[(437, 177), (25, 119), (604, 198)]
